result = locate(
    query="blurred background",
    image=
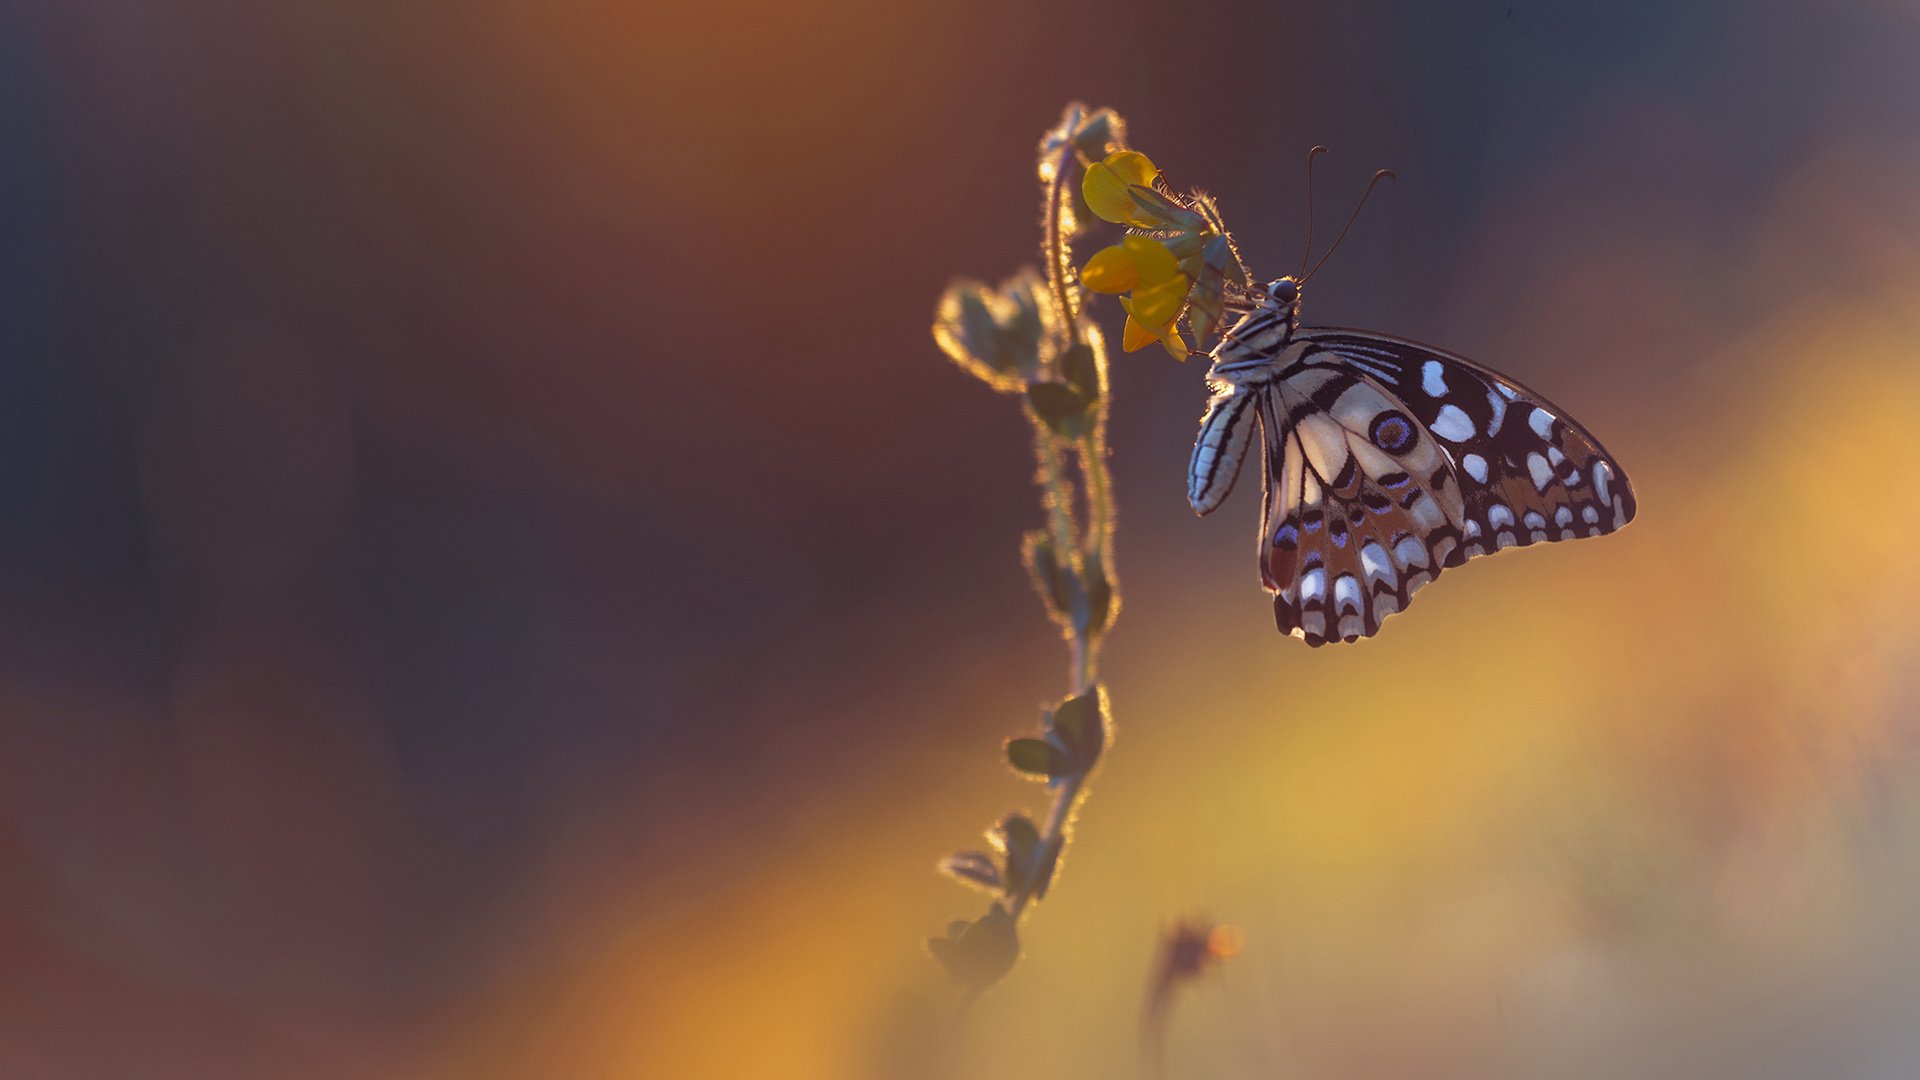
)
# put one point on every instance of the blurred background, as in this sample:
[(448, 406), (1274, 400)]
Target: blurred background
[(496, 580)]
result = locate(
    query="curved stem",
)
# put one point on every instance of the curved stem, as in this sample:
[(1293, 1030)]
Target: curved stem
[(1082, 647), (1093, 469), (1053, 832), (1053, 246), (1056, 494)]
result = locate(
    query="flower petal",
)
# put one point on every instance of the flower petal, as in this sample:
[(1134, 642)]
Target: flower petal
[(1107, 187), (1107, 194), (1136, 337), (1154, 263), (1158, 305), (1111, 270), (1132, 166)]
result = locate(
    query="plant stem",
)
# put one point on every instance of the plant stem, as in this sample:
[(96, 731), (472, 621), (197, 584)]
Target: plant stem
[(1083, 647), (1054, 243), (1093, 468), (1056, 494)]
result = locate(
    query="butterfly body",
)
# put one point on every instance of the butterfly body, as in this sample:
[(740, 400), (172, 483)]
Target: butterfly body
[(1385, 462)]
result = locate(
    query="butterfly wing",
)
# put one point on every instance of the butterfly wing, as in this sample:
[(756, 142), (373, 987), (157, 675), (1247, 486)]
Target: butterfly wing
[(1362, 510), (1410, 460), (1226, 431)]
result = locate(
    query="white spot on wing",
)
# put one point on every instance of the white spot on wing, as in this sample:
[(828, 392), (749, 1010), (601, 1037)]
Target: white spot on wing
[(1427, 514), (1541, 472), (1410, 552), (1373, 558), (1433, 379), (1476, 467), (1602, 481), (1541, 421), (1313, 584), (1498, 515), (1346, 593), (1453, 424), (1325, 442)]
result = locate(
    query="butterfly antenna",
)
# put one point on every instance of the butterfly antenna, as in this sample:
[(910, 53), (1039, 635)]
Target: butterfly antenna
[(1383, 174), (1308, 254)]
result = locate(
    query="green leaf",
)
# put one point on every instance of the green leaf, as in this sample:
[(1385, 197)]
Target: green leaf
[(1018, 840), (1035, 756), (1090, 605), (1207, 303), (1099, 135), (1187, 247), (1079, 725), (981, 952), (1025, 313), (1166, 213), (973, 868), (1061, 407), (998, 336), (1080, 367), (1017, 835), (965, 329), (1059, 587)]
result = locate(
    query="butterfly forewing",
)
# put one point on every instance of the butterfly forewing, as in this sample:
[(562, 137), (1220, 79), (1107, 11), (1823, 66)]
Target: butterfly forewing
[(1387, 462), (1530, 473)]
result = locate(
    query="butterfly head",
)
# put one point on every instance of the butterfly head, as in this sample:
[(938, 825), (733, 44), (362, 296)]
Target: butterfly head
[(1250, 350), (1283, 294)]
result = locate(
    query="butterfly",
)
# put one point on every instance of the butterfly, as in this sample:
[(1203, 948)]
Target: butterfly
[(1386, 461)]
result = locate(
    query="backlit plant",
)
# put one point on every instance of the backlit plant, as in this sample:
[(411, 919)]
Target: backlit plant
[(1171, 270)]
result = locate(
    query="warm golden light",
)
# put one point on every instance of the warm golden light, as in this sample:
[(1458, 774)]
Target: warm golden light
[(496, 581)]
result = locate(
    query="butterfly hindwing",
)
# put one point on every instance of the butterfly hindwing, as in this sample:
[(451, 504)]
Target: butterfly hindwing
[(1362, 506), (1389, 462)]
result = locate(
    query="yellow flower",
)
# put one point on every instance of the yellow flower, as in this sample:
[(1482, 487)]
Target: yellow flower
[(1159, 304), (1108, 185), (1134, 262), (1142, 266), (1142, 329), (1148, 269)]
